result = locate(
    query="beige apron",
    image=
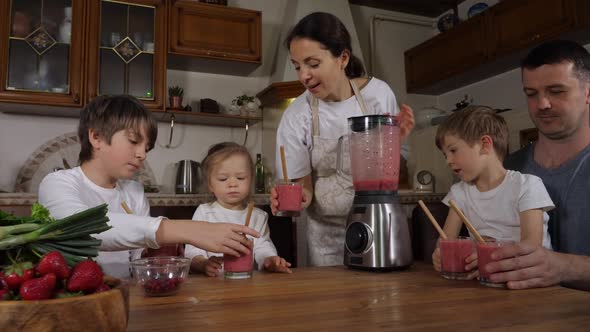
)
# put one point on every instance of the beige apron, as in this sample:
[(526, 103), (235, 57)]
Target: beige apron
[(333, 194)]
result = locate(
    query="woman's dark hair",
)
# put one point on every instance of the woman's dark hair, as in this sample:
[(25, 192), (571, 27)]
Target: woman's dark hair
[(329, 31), (107, 115)]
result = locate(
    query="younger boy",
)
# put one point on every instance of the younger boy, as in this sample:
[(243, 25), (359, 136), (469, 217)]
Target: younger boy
[(115, 133), (504, 205)]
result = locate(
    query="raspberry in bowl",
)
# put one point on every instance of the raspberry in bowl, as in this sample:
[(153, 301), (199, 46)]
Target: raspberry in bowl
[(160, 276)]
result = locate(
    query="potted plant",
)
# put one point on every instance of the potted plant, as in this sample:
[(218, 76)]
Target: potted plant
[(175, 94), (247, 105)]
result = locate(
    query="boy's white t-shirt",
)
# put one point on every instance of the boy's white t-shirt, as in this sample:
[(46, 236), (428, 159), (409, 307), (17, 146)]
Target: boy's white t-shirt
[(295, 130), (495, 213), (214, 212), (66, 192)]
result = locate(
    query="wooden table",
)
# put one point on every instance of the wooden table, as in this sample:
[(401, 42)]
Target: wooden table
[(340, 299)]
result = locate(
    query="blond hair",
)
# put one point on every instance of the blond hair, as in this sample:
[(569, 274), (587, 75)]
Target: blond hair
[(220, 152), (471, 124)]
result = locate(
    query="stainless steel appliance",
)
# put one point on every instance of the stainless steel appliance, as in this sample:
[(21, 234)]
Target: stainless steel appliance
[(188, 176), (377, 234)]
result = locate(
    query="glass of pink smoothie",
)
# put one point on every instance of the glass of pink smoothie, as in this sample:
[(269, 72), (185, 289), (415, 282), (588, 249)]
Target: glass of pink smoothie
[(453, 253), (484, 252), (238, 267), (290, 198)]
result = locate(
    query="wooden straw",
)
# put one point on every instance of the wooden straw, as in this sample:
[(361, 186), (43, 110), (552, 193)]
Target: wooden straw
[(432, 220), (284, 164), (126, 208), (466, 222), (249, 213)]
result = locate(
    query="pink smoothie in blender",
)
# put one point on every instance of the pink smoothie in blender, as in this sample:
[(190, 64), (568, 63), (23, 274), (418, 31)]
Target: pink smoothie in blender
[(375, 155)]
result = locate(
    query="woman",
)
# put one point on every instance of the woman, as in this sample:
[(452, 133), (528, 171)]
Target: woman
[(320, 49)]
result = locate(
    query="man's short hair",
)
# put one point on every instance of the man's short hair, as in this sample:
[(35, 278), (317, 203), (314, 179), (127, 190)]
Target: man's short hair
[(471, 124), (559, 51), (107, 115)]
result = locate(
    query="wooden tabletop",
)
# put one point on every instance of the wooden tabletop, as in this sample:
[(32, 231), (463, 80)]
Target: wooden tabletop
[(340, 299)]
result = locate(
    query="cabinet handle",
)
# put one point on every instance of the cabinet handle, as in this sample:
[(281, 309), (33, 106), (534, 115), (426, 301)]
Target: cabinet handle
[(76, 98)]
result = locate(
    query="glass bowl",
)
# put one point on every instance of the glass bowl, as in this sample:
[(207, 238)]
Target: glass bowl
[(160, 276)]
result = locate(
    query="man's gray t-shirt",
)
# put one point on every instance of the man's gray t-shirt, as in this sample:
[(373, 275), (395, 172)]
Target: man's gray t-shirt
[(569, 188)]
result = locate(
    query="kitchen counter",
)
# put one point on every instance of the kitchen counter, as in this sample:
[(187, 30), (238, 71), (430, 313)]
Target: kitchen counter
[(160, 199), (340, 299)]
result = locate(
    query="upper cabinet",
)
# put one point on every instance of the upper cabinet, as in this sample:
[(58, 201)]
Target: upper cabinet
[(66, 52), (215, 32), (42, 51), (492, 42), (127, 50)]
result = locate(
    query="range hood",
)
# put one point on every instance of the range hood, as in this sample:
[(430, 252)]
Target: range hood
[(284, 78)]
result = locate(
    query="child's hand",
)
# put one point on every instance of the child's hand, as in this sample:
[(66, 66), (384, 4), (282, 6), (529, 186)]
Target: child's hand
[(277, 264), (406, 121), (212, 266), (436, 259), (471, 266)]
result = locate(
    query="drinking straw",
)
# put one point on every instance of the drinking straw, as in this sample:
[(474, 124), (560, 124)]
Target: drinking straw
[(249, 213), (432, 220), (126, 208), (466, 222), (284, 164)]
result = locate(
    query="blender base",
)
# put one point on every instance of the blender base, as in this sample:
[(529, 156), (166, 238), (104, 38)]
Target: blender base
[(377, 234)]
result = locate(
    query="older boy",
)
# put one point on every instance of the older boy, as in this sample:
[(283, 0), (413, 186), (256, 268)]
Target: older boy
[(116, 132)]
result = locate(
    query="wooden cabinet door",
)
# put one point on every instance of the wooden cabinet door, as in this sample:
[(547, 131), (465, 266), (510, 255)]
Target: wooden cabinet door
[(127, 50), (518, 24), (213, 31), (41, 52), (446, 54)]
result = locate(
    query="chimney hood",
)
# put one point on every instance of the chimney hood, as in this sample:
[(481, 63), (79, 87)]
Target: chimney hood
[(285, 84)]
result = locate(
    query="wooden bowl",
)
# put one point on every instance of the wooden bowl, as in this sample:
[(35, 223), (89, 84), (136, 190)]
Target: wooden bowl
[(106, 311)]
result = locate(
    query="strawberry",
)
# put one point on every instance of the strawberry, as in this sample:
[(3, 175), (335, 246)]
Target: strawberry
[(18, 273), (54, 262), (102, 288), (38, 288), (86, 277)]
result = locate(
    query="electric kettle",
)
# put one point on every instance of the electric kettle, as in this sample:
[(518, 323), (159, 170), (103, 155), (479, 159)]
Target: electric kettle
[(188, 176)]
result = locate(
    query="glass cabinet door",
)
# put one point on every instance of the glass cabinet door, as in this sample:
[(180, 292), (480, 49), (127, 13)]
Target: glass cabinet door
[(130, 54), (43, 57)]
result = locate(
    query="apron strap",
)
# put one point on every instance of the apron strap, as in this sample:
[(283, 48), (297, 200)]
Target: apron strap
[(359, 97), (315, 112), (315, 116)]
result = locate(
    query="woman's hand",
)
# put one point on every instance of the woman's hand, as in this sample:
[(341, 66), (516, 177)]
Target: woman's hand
[(406, 121)]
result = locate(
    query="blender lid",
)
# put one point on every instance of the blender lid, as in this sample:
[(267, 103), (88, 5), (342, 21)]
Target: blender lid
[(367, 122)]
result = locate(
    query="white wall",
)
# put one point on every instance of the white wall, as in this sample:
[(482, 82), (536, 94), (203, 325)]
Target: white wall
[(20, 135)]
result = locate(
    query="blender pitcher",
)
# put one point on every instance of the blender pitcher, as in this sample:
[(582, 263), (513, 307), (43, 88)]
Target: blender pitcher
[(374, 142)]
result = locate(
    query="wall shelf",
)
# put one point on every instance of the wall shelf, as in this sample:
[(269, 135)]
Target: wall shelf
[(210, 119)]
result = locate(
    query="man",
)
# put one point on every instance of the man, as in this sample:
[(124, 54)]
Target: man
[(556, 82)]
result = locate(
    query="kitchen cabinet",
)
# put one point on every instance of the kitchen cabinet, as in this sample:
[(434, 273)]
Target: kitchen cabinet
[(492, 42), (66, 52), (126, 50), (215, 32), (446, 54), (42, 52)]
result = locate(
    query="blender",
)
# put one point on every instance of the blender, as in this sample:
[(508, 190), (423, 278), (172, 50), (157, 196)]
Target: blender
[(377, 235)]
